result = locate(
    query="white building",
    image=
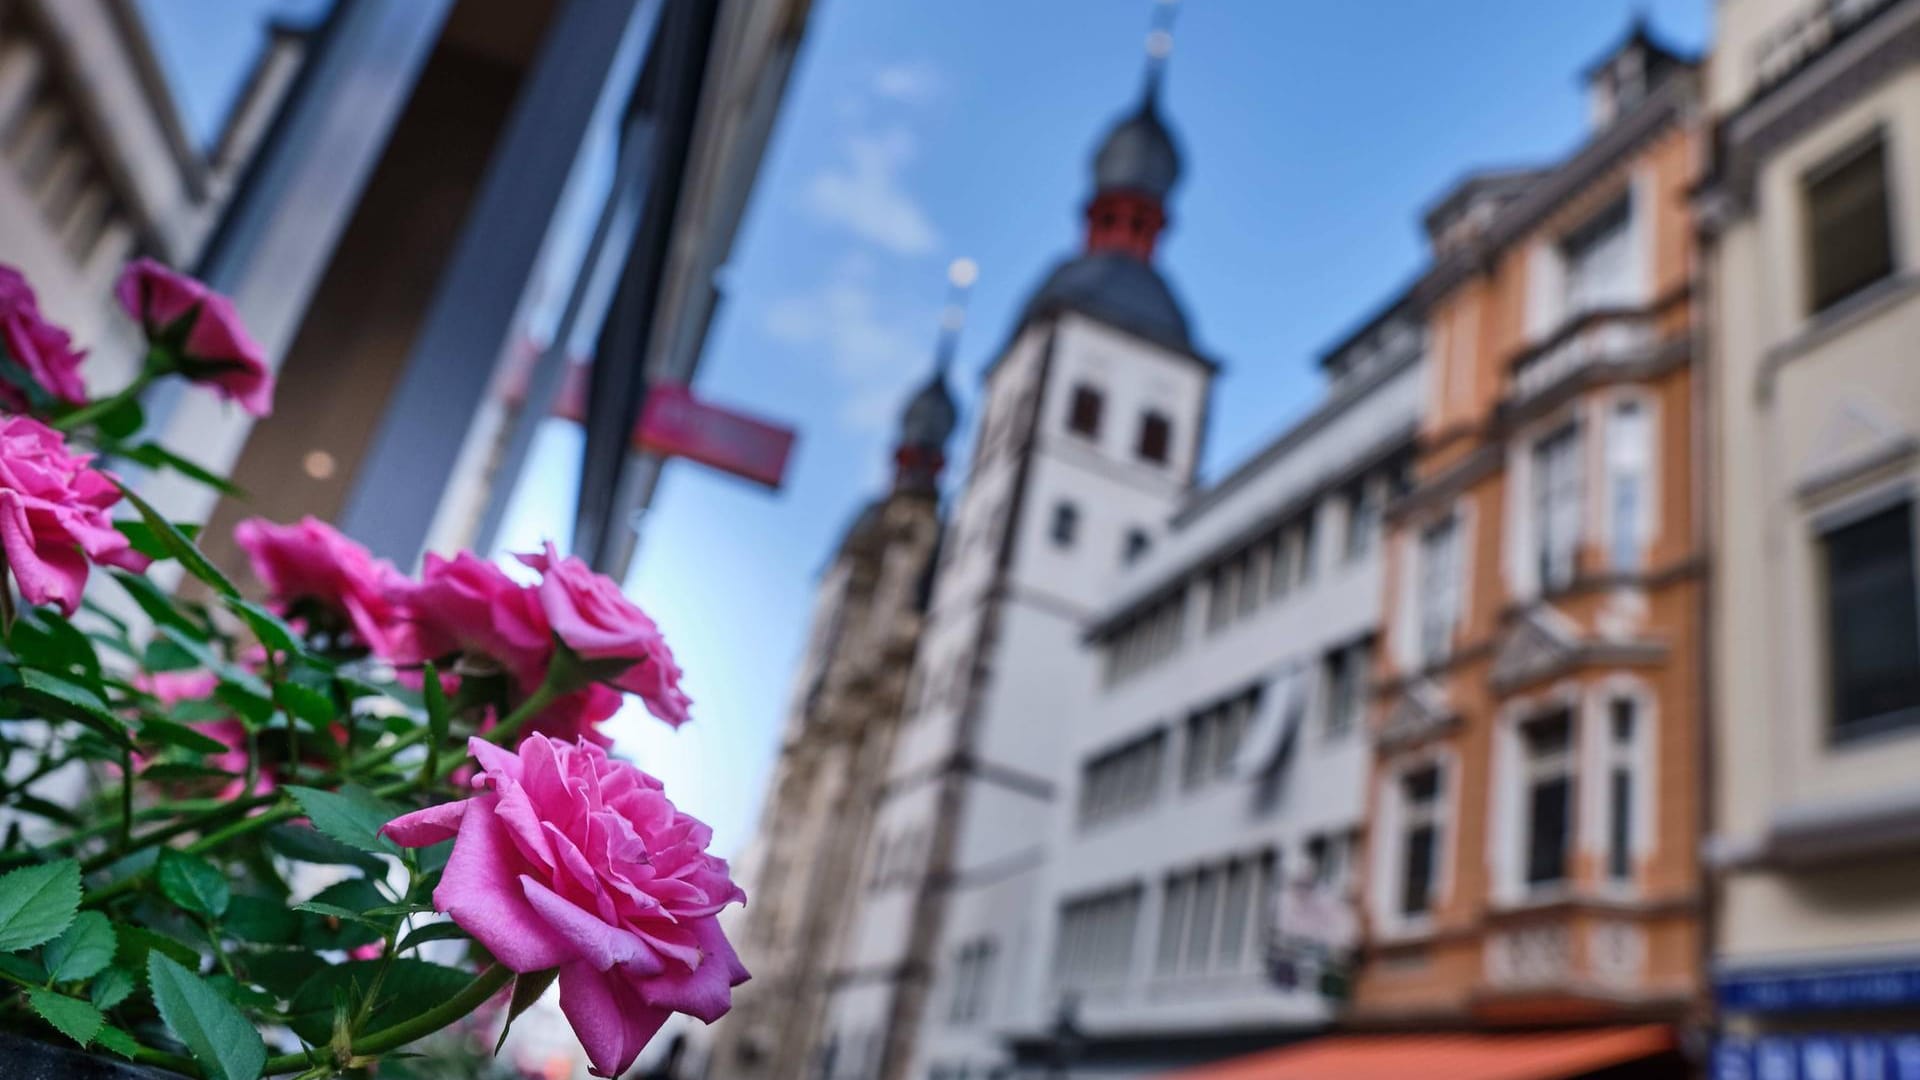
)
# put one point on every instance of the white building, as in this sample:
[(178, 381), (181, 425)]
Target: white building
[(1089, 435), (1216, 781)]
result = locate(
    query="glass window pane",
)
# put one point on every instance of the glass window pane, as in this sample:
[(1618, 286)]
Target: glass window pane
[(1873, 624)]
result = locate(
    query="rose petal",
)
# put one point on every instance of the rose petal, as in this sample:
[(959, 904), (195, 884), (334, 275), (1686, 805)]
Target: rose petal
[(612, 1023)]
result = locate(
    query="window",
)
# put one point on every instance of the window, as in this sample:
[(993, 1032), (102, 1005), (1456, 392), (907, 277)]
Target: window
[(1547, 748), (1156, 437), (1849, 228), (1304, 558), (1210, 916), (1223, 600), (1622, 731), (1873, 623), (1122, 781), (1096, 938), (1066, 523), (1363, 520), (1599, 262), (1173, 922), (1420, 851), (1087, 407), (1136, 546), (972, 979), (1439, 589), (1556, 507), (1213, 739), (1346, 678), (1628, 507), (1281, 551), (1252, 588)]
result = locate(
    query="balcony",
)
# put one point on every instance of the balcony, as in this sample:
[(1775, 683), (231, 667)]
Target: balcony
[(1592, 344)]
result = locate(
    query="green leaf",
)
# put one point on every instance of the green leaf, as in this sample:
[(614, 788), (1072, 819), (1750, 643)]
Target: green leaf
[(527, 988), (271, 629), (435, 931), (23, 968), (146, 541), (193, 883), (411, 987), (162, 771), (304, 844), (284, 971), (439, 719), (37, 903), (119, 1042), (112, 986), (314, 708), (55, 696), (42, 639), (261, 920), (168, 733), (83, 950), (138, 944), (353, 815), (155, 456), (335, 917), (164, 655), (214, 1031), (123, 419), (72, 1017), (153, 602), (331, 911), (177, 545)]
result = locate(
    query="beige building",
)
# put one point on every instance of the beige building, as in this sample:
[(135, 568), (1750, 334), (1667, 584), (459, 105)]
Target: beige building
[(804, 867), (1813, 226), (96, 165)]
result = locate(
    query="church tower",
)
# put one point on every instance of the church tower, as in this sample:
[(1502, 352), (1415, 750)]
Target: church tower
[(804, 862), (1089, 436)]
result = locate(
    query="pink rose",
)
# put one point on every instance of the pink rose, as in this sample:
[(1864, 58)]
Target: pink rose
[(173, 687), (201, 331), (468, 605), (42, 352), (571, 859), (596, 620), (312, 561), (53, 515)]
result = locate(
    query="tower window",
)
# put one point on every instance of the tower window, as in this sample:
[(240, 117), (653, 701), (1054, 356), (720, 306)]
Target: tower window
[(1088, 404), (1849, 228), (1137, 544), (1156, 436), (1066, 523)]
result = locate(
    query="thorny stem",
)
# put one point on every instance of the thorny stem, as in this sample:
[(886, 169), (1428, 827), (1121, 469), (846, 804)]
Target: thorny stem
[(484, 986)]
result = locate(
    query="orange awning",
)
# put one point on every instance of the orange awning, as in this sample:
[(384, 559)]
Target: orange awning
[(1530, 1056)]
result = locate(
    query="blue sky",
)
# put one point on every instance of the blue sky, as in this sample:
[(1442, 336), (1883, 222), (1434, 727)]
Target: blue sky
[(917, 132), (1313, 133)]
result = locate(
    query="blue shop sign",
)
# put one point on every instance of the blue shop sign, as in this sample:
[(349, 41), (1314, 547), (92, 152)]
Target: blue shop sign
[(1818, 1057), (1867, 986)]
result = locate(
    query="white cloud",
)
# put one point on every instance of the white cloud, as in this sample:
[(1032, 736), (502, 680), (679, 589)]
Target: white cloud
[(912, 82), (865, 194), (875, 347)]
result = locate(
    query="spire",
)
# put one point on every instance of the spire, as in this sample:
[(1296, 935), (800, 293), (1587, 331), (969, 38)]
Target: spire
[(1159, 48), (1137, 164), (930, 416)]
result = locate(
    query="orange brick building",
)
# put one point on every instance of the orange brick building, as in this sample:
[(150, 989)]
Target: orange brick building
[(1532, 842)]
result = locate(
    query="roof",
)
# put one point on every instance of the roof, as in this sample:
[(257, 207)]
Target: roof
[(1138, 155), (1114, 288), (1527, 1056), (1499, 184), (929, 418)]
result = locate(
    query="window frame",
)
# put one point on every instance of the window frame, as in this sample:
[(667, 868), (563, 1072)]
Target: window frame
[(1872, 142), (1155, 430), (1837, 731), (1086, 411), (1063, 529)]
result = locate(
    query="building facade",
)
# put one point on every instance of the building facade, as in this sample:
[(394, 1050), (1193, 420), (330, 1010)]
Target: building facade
[(1535, 806), (1199, 887), (99, 168), (805, 863), (1090, 427), (1813, 218)]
